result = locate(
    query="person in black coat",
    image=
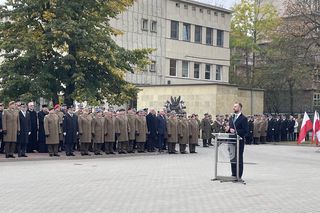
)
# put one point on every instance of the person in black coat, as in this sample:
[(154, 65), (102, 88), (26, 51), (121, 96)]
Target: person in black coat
[(1, 133), (25, 131), (152, 130), (70, 130), (161, 129), (33, 144), (238, 124), (270, 130), (284, 128), (41, 134), (277, 129)]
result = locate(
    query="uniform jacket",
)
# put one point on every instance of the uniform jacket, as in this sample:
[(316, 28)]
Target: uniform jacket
[(132, 124), (10, 124), (172, 128), (52, 128), (122, 128), (109, 126), (85, 132), (183, 131), (97, 129), (141, 129), (194, 131), (206, 128)]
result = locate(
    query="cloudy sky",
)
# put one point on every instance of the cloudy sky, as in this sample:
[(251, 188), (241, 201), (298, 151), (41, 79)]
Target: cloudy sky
[(224, 3)]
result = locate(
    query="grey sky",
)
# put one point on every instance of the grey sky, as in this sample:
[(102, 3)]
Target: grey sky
[(224, 3)]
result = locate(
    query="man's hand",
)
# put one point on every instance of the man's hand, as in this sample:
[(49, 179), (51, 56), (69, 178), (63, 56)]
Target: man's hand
[(232, 130), (29, 133)]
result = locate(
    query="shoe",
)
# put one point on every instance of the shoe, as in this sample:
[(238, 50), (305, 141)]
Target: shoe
[(72, 154), (112, 153), (25, 156), (7, 156), (56, 155), (210, 144), (206, 146), (88, 154), (183, 152), (51, 155), (67, 154), (12, 156), (83, 154)]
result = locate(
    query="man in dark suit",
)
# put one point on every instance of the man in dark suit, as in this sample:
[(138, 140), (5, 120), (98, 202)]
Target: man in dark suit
[(238, 124), (70, 130), (161, 129), (41, 134), (25, 131), (152, 130), (284, 128), (33, 144), (270, 130)]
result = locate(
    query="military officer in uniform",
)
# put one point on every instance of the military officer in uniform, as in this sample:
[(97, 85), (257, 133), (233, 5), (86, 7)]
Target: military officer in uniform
[(206, 129), (172, 128), (70, 130), (109, 127), (141, 131), (132, 125), (57, 109), (184, 133), (263, 129), (97, 129), (10, 129), (256, 129), (194, 134), (122, 131), (52, 130), (85, 132)]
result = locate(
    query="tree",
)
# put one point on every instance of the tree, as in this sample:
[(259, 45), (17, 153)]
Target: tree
[(53, 46)]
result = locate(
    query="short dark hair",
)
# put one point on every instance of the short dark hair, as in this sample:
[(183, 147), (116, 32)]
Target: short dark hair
[(240, 104)]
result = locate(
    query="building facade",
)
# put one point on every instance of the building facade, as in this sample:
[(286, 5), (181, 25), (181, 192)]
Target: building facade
[(190, 41)]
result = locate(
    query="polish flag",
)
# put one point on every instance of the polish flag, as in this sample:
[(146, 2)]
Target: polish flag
[(316, 128), (305, 128)]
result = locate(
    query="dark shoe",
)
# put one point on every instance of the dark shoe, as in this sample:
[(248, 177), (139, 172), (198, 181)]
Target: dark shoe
[(210, 144), (67, 154), (51, 155), (83, 154), (24, 156), (183, 152), (56, 155), (72, 154), (205, 146), (7, 156), (12, 156), (112, 153)]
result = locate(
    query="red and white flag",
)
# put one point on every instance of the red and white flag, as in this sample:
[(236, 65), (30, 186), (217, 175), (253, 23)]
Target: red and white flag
[(305, 128), (316, 128)]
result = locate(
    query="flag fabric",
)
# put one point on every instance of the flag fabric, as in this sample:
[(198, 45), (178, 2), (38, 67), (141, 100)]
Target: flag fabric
[(305, 128), (316, 128)]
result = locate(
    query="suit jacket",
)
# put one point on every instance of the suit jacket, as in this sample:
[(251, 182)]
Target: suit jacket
[(41, 132), (161, 125), (70, 127), (240, 125), (25, 127), (152, 124)]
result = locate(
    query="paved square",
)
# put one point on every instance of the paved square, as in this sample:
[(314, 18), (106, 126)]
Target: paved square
[(279, 179)]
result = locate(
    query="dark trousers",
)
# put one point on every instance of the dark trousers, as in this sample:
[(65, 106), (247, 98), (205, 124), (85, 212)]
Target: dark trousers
[(9, 148), (171, 147), (109, 147), (276, 137), (160, 141), (43, 148), (140, 146), (151, 143), (130, 146), (97, 147), (192, 148), (84, 147), (22, 149), (122, 146), (1, 143), (182, 148), (205, 142), (165, 143), (53, 149), (263, 139), (69, 148), (291, 136), (256, 140), (234, 161), (33, 143), (284, 136)]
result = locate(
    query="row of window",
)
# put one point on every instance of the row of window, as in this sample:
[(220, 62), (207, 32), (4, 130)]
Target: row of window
[(200, 9), (196, 70), (145, 25), (186, 34)]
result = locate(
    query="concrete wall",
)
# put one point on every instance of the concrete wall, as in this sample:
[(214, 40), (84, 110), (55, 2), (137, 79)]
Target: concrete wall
[(211, 98)]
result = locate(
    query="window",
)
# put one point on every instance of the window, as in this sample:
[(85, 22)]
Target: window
[(173, 67), (198, 34), (153, 26), (196, 71), (144, 24), (201, 10), (185, 6), (209, 36), (153, 66), (209, 12), (218, 72), (186, 32), (220, 38), (177, 5), (185, 69), (174, 30), (193, 8), (215, 13), (316, 99), (207, 72), (222, 15)]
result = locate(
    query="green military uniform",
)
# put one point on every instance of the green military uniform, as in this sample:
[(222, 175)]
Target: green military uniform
[(206, 131), (132, 134), (109, 133), (256, 131), (85, 133), (172, 128), (10, 129), (97, 129), (263, 130), (122, 130), (184, 134), (194, 133), (141, 132), (52, 130)]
